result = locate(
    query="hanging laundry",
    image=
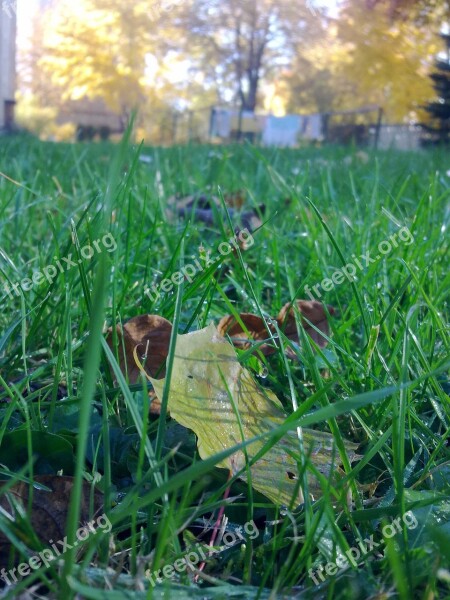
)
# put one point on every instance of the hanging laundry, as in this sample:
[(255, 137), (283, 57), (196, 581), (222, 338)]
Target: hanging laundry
[(247, 122), (312, 129), (282, 131), (221, 122)]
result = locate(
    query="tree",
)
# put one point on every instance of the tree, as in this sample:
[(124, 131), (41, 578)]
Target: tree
[(315, 82), (389, 53), (373, 52), (38, 97), (439, 110), (239, 44), (97, 48), (162, 55), (421, 11)]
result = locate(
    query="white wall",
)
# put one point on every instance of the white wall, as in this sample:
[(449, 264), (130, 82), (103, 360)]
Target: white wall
[(7, 55)]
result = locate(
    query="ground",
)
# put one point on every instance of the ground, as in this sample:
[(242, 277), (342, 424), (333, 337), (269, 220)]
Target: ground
[(86, 242)]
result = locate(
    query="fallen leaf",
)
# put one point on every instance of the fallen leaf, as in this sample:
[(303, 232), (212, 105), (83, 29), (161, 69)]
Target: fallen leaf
[(362, 156), (200, 207), (49, 508), (235, 199), (151, 335), (256, 331), (311, 310), (207, 389), (250, 219)]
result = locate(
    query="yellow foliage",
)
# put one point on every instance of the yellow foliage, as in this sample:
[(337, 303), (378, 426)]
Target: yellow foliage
[(159, 54), (97, 49), (363, 58), (389, 61)]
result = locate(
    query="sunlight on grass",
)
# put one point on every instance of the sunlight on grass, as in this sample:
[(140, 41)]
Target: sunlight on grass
[(382, 381)]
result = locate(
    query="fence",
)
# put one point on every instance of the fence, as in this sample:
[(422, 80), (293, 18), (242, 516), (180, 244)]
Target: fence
[(362, 127), (399, 137)]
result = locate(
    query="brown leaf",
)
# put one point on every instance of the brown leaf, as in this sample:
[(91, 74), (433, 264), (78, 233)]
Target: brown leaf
[(250, 219), (205, 201), (201, 207), (256, 331), (235, 199), (181, 205), (155, 404), (312, 310), (151, 335), (49, 509)]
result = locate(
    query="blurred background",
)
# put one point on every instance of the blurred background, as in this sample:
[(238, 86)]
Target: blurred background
[(274, 72)]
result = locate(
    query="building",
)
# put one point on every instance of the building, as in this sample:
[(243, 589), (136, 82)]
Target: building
[(91, 117), (7, 63)]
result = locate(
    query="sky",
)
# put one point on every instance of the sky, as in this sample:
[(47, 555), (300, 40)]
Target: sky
[(26, 8)]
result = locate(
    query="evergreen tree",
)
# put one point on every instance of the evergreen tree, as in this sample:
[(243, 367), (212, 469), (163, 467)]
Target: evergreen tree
[(438, 131)]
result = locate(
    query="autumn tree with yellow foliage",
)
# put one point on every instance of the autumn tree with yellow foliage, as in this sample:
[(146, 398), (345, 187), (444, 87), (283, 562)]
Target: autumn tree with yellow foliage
[(390, 55), (97, 49), (159, 55), (239, 45), (376, 52)]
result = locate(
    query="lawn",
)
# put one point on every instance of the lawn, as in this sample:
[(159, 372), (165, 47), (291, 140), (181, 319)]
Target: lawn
[(86, 242)]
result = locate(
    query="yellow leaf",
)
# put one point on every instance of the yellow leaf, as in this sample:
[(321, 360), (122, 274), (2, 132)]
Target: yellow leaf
[(212, 394)]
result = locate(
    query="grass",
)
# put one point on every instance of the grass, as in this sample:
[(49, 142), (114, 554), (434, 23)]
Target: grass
[(382, 381)]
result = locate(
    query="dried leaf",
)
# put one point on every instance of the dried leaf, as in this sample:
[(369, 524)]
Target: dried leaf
[(250, 219), (151, 335), (235, 199), (207, 389), (49, 508), (256, 331), (205, 208), (312, 311)]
